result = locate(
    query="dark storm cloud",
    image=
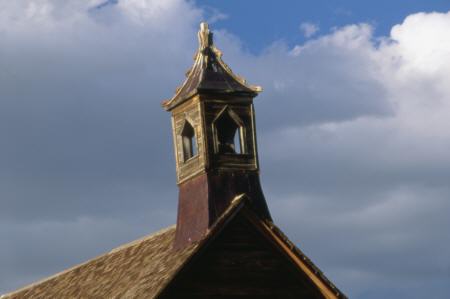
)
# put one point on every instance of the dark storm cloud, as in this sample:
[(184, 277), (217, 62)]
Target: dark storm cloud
[(86, 149), (81, 119)]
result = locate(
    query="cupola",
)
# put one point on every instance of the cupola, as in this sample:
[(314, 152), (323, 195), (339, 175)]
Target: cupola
[(214, 136)]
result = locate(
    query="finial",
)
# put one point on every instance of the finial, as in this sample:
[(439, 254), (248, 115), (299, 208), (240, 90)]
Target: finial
[(205, 37), (204, 26)]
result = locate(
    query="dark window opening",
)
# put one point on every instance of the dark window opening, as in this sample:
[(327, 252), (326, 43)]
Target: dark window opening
[(189, 141), (229, 135)]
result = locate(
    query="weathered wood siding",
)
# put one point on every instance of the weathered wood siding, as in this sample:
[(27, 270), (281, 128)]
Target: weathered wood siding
[(241, 263), (189, 111)]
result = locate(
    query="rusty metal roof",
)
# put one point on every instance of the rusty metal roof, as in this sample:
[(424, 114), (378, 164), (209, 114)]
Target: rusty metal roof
[(209, 74)]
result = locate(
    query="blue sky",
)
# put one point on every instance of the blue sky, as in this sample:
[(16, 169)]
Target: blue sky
[(260, 23), (352, 128)]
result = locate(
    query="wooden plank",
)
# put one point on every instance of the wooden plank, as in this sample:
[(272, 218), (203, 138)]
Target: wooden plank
[(241, 263)]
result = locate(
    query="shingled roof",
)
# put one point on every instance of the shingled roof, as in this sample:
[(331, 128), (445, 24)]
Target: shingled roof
[(145, 267), (135, 270)]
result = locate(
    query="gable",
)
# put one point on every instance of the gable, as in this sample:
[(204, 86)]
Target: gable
[(241, 262)]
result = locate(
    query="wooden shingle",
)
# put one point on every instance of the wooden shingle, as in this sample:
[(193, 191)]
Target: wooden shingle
[(135, 270)]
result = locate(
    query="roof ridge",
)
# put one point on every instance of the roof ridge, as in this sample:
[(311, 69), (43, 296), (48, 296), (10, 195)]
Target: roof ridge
[(300, 254)]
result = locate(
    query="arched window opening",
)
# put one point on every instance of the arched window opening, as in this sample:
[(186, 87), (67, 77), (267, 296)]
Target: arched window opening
[(229, 135), (189, 141)]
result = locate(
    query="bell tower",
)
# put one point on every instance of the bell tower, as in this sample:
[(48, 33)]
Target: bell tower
[(214, 135)]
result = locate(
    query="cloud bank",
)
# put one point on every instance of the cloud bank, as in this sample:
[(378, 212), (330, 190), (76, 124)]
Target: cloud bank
[(353, 139)]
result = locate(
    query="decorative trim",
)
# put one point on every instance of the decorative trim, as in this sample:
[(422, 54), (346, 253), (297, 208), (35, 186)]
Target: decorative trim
[(241, 129)]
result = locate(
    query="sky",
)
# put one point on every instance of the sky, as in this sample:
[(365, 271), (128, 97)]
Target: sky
[(352, 127)]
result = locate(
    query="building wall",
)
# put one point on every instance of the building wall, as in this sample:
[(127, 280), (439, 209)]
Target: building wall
[(241, 263)]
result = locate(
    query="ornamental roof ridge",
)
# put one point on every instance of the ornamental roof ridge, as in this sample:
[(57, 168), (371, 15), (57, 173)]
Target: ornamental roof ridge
[(209, 73)]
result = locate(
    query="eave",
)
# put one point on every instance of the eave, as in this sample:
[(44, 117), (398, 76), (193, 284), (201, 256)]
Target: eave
[(210, 74)]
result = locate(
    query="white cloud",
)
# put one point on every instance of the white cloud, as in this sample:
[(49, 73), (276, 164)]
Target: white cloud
[(385, 174), (356, 149), (309, 29), (423, 43)]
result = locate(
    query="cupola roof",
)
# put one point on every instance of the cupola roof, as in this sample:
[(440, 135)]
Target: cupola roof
[(209, 74)]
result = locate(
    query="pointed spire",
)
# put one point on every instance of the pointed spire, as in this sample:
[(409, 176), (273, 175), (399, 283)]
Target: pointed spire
[(205, 37), (209, 74)]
